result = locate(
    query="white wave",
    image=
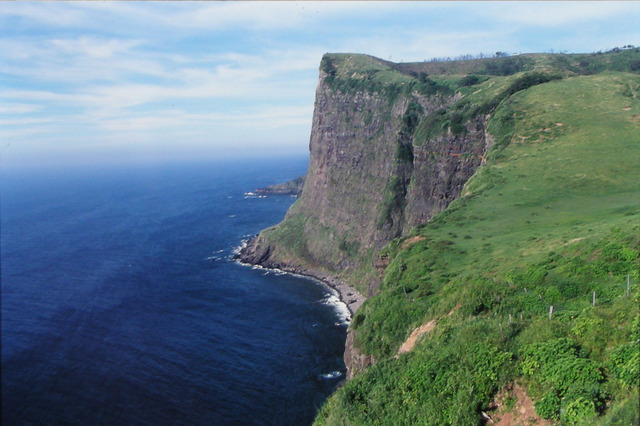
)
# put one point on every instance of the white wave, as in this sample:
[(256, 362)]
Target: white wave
[(341, 309), (260, 268), (329, 376), (332, 299), (253, 195), (236, 250)]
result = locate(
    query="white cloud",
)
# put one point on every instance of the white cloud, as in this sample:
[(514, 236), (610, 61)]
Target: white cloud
[(553, 14), (18, 108), (47, 14), (92, 47), (23, 121)]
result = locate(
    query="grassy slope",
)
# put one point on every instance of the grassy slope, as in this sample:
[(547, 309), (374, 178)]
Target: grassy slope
[(551, 218)]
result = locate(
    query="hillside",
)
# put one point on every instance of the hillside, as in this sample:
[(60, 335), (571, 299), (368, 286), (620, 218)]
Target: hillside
[(486, 202)]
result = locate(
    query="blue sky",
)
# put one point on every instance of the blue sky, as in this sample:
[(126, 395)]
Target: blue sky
[(104, 82)]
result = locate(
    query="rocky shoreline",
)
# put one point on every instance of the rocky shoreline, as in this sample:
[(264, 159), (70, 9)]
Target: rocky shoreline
[(293, 187), (254, 254)]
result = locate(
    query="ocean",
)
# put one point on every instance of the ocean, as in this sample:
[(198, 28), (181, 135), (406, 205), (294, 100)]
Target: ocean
[(122, 305)]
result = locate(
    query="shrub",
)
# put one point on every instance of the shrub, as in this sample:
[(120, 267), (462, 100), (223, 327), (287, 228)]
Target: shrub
[(529, 80), (578, 409), (561, 366), (624, 364), (469, 80), (411, 117), (548, 407)]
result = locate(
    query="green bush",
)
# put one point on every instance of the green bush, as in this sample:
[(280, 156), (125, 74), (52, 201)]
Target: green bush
[(469, 80), (448, 380), (548, 407), (624, 363), (528, 80), (577, 410), (560, 366), (482, 296)]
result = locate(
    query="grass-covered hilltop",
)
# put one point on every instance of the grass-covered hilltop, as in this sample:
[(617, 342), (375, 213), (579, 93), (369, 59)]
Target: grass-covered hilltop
[(490, 211)]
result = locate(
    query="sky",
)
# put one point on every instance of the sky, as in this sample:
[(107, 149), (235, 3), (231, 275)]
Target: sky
[(110, 82)]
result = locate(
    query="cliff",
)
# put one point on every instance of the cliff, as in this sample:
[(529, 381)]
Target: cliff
[(370, 180), (479, 205)]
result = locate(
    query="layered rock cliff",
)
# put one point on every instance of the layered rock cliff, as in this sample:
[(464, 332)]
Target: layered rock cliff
[(372, 175), (376, 170)]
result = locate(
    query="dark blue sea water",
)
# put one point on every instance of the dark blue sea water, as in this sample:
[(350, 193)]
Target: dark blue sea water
[(121, 306)]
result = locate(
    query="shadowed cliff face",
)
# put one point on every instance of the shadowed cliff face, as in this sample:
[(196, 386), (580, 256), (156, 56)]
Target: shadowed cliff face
[(441, 167), (368, 182)]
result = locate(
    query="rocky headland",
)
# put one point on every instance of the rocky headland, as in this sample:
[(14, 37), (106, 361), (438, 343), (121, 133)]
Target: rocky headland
[(292, 187), (463, 199), (374, 173)]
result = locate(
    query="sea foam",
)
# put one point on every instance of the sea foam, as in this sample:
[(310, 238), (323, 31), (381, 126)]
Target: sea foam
[(329, 376)]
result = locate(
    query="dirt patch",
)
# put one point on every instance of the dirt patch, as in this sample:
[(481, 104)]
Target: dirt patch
[(575, 240), (406, 243), (559, 124), (408, 345), (512, 406), (627, 108)]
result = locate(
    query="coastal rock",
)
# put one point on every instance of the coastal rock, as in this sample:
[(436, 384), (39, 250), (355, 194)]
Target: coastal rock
[(354, 360), (293, 187)]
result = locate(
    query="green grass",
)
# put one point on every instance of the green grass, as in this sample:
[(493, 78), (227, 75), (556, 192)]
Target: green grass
[(553, 216), (623, 60), (351, 73)]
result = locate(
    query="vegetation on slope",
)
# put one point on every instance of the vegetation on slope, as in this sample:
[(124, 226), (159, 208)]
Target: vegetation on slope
[(351, 73), (549, 221)]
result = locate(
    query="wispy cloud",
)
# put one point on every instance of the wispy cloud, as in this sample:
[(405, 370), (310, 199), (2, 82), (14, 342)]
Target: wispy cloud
[(238, 74), (18, 108), (553, 14)]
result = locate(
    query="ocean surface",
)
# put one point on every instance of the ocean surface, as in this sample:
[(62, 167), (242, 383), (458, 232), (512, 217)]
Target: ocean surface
[(121, 304)]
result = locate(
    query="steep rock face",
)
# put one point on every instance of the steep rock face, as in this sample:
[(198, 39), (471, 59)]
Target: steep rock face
[(354, 360), (368, 181), (441, 167)]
